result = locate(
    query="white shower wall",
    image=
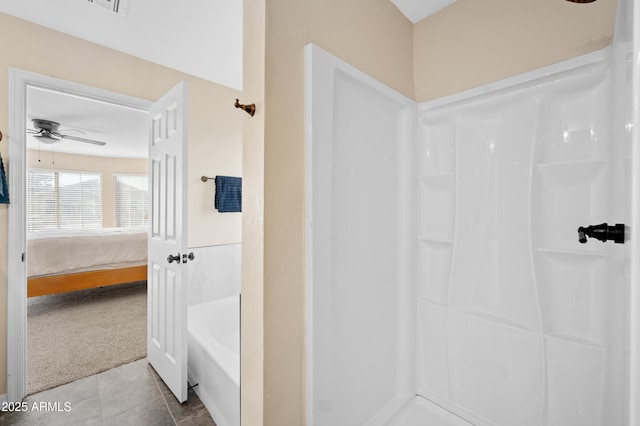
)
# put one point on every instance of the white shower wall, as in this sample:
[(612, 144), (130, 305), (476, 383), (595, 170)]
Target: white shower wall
[(360, 253), (519, 323), (443, 257)]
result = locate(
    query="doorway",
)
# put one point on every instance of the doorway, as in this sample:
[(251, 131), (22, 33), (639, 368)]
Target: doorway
[(20, 81), (87, 210)]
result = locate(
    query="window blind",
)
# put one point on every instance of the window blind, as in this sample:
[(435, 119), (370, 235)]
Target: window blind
[(132, 205), (63, 200)]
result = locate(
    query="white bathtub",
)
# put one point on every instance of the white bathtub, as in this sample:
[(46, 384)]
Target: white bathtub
[(214, 357)]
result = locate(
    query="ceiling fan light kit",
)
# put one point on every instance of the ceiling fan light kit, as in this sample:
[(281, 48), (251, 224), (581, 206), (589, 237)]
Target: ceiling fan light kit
[(46, 139)]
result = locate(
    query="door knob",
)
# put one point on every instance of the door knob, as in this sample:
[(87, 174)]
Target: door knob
[(175, 258), (602, 232)]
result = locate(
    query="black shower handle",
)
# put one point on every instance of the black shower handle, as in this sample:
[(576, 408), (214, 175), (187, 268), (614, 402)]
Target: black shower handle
[(602, 232), (581, 235)]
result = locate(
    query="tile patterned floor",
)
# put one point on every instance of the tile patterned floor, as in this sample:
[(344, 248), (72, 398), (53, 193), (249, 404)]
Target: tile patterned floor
[(132, 394)]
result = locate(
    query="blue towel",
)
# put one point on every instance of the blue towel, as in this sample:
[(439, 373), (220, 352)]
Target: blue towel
[(228, 194), (4, 190)]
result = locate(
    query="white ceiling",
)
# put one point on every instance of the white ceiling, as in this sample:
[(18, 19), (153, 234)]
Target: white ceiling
[(417, 10), (123, 129), (199, 37)]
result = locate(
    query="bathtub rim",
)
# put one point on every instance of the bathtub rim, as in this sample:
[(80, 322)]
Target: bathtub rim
[(227, 360)]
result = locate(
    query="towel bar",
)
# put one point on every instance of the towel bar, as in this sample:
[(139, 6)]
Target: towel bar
[(204, 178)]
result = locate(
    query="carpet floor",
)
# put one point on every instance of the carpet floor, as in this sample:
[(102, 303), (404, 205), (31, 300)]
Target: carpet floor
[(81, 333)]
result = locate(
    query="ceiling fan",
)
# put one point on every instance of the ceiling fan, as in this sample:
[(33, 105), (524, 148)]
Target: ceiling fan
[(46, 131)]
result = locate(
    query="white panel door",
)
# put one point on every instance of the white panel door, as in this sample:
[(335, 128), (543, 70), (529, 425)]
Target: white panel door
[(167, 273)]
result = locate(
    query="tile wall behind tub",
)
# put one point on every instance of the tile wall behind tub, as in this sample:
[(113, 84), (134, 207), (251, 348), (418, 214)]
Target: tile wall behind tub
[(214, 273)]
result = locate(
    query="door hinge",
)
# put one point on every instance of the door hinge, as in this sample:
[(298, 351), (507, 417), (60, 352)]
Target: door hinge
[(22, 257)]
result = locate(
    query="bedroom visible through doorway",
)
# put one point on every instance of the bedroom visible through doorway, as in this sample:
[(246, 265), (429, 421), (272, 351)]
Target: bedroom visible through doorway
[(86, 221)]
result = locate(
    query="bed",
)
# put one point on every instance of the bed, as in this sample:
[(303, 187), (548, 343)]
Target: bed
[(63, 260)]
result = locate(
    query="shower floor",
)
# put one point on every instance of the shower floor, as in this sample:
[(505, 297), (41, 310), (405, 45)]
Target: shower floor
[(421, 412)]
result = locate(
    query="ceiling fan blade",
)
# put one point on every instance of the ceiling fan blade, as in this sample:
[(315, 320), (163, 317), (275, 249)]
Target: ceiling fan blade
[(73, 130), (79, 139)]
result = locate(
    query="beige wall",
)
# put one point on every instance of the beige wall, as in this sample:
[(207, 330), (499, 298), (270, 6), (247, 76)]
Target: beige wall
[(215, 126), (252, 344), (471, 43), (371, 35), (107, 167)]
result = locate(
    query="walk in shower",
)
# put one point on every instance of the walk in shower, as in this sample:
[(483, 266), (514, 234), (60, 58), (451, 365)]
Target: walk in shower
[(446, 282)]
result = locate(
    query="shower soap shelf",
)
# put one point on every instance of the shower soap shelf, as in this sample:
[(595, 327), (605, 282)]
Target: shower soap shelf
[(572, 253)]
